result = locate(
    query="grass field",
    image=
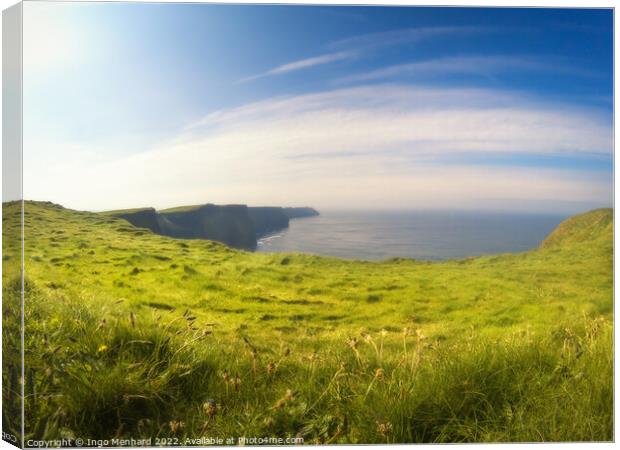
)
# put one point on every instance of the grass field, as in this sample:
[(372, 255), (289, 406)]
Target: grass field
[(131, 334)]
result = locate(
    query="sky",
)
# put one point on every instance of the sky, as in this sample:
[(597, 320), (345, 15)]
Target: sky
[(336, 107)]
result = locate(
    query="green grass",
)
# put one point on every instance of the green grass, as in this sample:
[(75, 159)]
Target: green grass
[(180, 209), (124, 211), (131, 334)]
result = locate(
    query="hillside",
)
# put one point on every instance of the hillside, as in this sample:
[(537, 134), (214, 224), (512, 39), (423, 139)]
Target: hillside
[(237, 226), (143, 332), (593, 227)]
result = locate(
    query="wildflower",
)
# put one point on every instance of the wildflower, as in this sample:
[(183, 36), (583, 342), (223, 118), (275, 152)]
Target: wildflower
[(210, 407), (176, 425), (236, 382), (406, 332), (289, 396), (383, 332), (379, 374), (102, 348), (595, 327), (225, 376), (384, 428), (353, 343), (271, 368), (312, 357), (368, 338)]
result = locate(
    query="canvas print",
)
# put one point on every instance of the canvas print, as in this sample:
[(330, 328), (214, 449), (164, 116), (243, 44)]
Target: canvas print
[(232, 224)]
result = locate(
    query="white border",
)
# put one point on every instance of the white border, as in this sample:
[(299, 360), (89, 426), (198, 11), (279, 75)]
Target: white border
[(505, 3)]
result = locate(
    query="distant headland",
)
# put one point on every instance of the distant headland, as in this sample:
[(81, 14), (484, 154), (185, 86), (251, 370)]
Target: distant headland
[(237, 226)]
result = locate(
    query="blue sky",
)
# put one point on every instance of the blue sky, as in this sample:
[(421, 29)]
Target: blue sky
[(166, 104)]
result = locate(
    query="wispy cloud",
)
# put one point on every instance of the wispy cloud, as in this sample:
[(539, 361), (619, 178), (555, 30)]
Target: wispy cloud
[(485, 66), (407, 36), (356, 46), (375, 146), (303, 64), (385, 117)]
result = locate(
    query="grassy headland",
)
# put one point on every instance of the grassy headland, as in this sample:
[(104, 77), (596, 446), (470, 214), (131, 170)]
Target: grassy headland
[(132, 334), (237, 226)]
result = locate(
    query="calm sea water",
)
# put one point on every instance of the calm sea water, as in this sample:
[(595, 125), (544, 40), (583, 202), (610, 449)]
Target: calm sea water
[(421, 235)]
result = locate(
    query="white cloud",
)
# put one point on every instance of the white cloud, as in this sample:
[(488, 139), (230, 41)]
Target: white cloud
[(407, 36), (485, 66), (354, 46), (380, 146), (418, 121), (302, 64)]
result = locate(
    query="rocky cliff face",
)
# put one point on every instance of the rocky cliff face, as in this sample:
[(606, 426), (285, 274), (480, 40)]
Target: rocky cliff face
[(229, 224), (142, 218), (237, 226), (267, 219)]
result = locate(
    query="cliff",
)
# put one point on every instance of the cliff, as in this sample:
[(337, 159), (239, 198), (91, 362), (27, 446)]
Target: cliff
[(272, 218), (237, 226), (229, 224), (142, 218), (268, 218), (293, 213)]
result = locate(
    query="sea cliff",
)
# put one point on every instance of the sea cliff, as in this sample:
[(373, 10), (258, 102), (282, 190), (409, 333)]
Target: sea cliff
[(237, 226)]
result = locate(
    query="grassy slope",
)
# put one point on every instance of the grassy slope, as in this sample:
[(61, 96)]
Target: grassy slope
[(124, 211), (146, 329), (180, 208)]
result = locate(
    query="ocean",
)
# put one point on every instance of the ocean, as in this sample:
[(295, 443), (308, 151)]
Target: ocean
[(425, 235)]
